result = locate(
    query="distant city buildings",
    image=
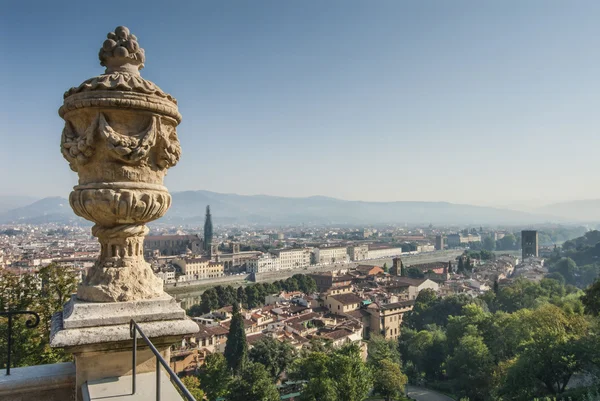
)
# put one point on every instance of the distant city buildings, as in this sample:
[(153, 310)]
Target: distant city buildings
[(456, 240), (171, 245)]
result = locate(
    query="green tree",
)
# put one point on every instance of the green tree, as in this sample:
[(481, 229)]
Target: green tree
[(241, 296), (550, 353), (488, 243), (461, 265), (209, 301), (567, 268), (253, 383), (591, 299), (192, 383), (236, 348), (413, 272), (379, 349), (470, 368), (215, 376), (340, 375), (274, 355), (385, 268), (353, 379), (195, 311), (253, 297), (389, 381)]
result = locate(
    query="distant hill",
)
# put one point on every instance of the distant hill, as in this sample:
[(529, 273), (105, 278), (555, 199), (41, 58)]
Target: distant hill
[(579, 210), (189, 207), (10, 202), (47, 210)]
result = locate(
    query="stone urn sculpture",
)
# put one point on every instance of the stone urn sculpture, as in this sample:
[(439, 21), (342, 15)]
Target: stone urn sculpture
[(120, 138)]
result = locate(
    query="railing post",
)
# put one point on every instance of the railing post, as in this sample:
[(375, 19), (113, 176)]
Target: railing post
[(9, 344), (157, 378), (133, 358)]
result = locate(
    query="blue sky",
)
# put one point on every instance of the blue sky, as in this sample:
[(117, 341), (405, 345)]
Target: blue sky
[(491, 103)]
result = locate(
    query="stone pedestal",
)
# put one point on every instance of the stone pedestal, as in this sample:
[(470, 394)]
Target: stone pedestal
[(98, 335)]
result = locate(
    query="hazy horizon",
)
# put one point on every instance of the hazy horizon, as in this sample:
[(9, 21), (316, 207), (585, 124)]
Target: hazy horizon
[(489, 104)]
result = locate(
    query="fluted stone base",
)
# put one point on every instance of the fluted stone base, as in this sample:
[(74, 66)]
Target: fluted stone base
[(120, 284)]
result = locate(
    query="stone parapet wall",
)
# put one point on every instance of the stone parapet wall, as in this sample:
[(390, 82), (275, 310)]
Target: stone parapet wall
[(54, 382)]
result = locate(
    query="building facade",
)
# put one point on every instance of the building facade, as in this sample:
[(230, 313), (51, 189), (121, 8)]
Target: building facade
[(296, 258), (199, 268), (331, 255), (454, 240), (173, 244), (380, 252), (358, 252), (264, 263)]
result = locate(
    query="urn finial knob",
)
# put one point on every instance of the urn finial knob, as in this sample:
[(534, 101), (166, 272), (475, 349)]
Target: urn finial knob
[(122, 52)]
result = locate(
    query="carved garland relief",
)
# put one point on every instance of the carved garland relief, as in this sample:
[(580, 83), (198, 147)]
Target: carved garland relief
[(134, 150)]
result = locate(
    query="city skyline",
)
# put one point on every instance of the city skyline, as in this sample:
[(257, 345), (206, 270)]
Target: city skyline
[(467, 103)]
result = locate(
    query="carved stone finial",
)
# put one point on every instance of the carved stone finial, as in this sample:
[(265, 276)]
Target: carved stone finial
[(120, 137), (121, 52)]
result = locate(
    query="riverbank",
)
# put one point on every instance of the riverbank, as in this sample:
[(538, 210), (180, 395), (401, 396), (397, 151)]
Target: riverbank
[(190, 292)]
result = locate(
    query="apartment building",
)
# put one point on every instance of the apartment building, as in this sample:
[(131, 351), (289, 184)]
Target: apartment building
[(199, 268), (293, 258), (331, 255)]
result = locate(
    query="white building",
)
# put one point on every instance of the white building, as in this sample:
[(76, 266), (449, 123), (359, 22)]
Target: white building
[(295, 258), (425, 248), (380, 253), (331, 255), (167, 276), (358, 252), (263, 263)]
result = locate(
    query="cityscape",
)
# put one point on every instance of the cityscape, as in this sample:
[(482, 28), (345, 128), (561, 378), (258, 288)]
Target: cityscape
[(314, 218)]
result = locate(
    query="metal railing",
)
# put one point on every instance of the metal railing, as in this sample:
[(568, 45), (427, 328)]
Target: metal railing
[(30, 324), (133, 330)]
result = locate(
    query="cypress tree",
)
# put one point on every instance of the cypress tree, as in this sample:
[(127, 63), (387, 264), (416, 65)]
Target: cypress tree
[(236, 348), (208, 231), (403, 271)]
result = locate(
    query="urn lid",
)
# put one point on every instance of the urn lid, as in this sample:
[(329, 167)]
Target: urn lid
[(121, 85)]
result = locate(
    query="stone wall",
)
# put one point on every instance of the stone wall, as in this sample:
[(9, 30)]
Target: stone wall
[(54, 382)]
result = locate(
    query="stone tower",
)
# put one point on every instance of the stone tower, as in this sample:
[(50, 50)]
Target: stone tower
[(396, 269), (529, 243), (208, 233)]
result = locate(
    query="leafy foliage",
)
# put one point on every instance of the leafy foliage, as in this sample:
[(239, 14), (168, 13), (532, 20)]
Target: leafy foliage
[(253, 383), (251, 296), (338, 376), (518, 342), (215, 376), (192, 383), (44, 294), (274, 355)]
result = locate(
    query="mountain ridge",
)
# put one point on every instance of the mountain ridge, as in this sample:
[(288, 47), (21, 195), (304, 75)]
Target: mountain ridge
[(188, 208)]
